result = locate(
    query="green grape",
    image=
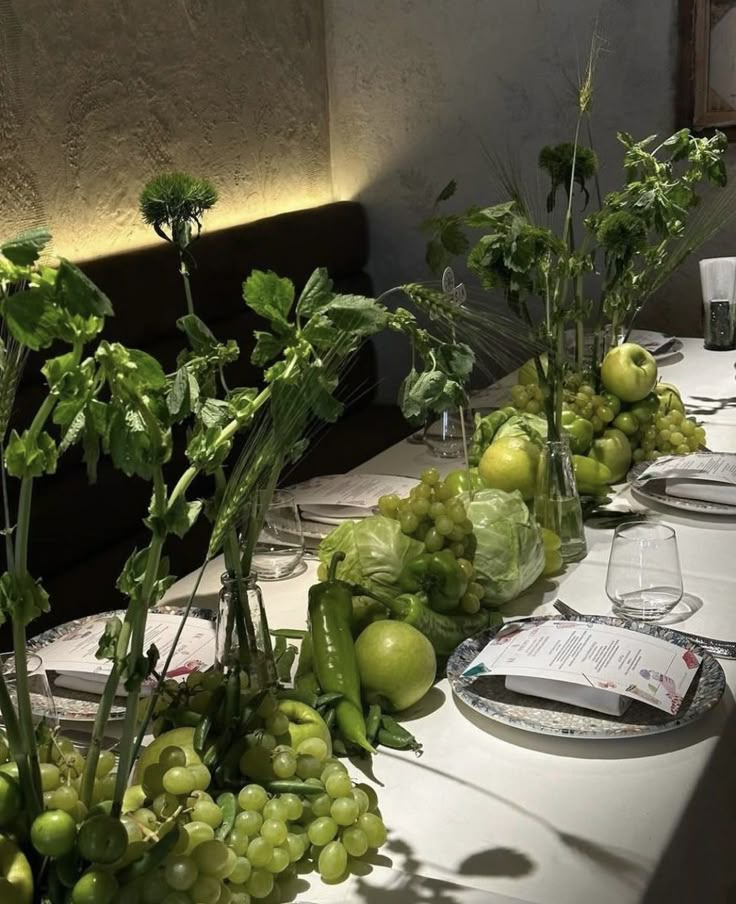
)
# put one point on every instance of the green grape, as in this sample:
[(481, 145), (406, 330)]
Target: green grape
[(361, 799), (519, 396), (132, 828), (403, 507), (321, 805), (308, 767), (333, 861), (375, 830), (423, 491), (457, 534), (661, 423), (692, 443), (295, 847), (276, 808), (170, 757), (442, 492), (154, 888), (252, 797), (280, 859), (206, 812), (153, 780), (345, 810), (455, 511), (214, 858), (676, 438), (322, 830), (430, 476), (467, 568), (676, 417), (274, 831), (181, 872), (196, 796), (420, 507), (638, 455), (260, 883), (470, 603), (421, 532), (409, 522), (687, 427), (433, 540), (597, 423), (443, 525), (284, 764), (105, 763), (241, 871), (315, 747), (683, 449), (194, 833), (457, 549), (294, 806), (700, 434), (179, 780), (206, 890), (339, 785), (146, 818), (355, 841), (238, 841), (663, 436), (268, 706), (278, 723), (64, 797), (533, 407), (436, 510), (388, 505), (165, 805)]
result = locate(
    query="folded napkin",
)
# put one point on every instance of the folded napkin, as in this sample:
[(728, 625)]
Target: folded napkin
[(564, 692), (701, 490)]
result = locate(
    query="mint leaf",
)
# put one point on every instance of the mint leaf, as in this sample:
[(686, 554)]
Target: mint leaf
[(200, 336), (357, 315), (107, 644), (214, 413), (76, 293), (240, 402), (24, 249), (31, 318), (181, 516), (27, 455), (409, 407), (267, 348), (21, 598), (456, 360), (316, 294), (177, 394), (271, 297), (320, 333), (56, 369)]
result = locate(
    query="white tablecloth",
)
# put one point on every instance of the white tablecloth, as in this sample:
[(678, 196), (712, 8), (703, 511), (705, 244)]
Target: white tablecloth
[(501, 814)]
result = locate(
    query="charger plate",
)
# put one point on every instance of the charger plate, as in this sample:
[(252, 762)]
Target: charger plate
[(654, 491), (82, 705), (488, 695)]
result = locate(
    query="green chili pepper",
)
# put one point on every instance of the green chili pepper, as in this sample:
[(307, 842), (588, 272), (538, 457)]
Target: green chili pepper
[(330, 699), (291, 693), (373, 722), (393, 735), (330, 614), (228, 803), (438, 575), (292, 786), (444, 632), (304, 678)]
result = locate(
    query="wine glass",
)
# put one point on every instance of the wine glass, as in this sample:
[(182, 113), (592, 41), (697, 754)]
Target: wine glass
[(43, 707), (279, 549), (444, 436), (644, 580)]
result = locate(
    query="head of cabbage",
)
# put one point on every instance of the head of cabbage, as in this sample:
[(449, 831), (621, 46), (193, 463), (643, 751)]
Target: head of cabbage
[(509, 556)]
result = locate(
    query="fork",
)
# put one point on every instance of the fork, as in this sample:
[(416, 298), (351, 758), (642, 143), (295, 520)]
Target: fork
[(724, 649)]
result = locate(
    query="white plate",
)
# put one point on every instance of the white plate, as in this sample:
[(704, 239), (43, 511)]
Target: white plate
[(335, 514), (82, 705), (653, 491)]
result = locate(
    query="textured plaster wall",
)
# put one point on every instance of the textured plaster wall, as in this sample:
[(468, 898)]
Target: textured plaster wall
[(422, 87), (97, 95)]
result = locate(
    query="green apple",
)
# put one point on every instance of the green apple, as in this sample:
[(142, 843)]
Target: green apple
[(629, 372), (613, 449), (304, 722), (397, 664), (669, 398), (16, 878), (626, 422)]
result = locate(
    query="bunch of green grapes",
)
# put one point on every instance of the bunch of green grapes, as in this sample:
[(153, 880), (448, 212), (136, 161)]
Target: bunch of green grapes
[(671, 434), (237, 847), (527, 397), (599, 409), (433, 514), (194, 695)]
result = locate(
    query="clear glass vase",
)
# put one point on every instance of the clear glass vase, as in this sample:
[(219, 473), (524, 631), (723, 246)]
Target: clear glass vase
[(557, 503), (243, 639)]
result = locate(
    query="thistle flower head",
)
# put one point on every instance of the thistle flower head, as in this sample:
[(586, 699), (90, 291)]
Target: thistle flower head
[(621, 233), (176, 200)]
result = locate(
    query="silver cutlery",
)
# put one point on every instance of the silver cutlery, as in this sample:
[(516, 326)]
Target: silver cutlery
[(725, 649)]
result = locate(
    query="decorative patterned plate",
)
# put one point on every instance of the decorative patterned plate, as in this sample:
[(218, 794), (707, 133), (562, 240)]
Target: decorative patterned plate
[(81, 705), (488, 695)]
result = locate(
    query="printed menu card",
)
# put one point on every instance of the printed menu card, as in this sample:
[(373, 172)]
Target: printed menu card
[(594, 655)]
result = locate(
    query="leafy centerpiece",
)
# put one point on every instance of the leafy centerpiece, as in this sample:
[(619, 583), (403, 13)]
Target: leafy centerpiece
[(565, 273), (215, 807)]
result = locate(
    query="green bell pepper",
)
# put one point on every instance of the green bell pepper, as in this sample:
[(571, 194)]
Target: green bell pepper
[(579, 432), (438, 575), (592, 477)]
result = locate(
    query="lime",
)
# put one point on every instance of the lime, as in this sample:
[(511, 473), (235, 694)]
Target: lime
[(511, 464)]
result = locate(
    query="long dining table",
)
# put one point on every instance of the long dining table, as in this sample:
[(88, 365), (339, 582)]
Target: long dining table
[(491, 813)]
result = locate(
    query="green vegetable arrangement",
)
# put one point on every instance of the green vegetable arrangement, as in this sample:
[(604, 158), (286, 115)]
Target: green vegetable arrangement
[(116, 401)]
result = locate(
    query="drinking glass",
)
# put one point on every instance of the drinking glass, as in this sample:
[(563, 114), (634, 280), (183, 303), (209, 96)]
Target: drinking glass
[(43, 707), (444, 436), (644, 580), (280, 546)]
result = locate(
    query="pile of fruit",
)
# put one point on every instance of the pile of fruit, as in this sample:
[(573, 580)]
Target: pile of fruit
[(192, 833), (622, 418)]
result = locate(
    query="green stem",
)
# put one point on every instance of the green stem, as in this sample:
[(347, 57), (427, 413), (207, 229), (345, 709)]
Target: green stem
[(25, 716), (98, 730), (184, 270), (9, 546)]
